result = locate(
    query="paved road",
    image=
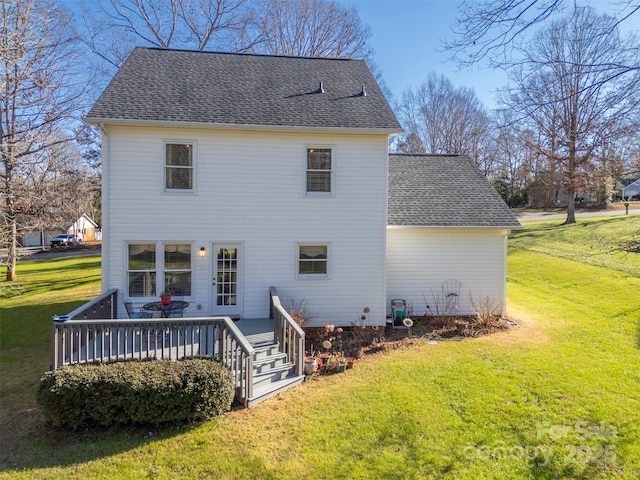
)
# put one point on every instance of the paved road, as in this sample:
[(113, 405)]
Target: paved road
[(28, 253), (525, 216), (59, 253)]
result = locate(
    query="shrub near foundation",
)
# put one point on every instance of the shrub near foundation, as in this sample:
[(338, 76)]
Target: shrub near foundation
[(153, 392)]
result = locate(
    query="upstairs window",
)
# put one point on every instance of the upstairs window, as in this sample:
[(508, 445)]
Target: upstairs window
[(319, 167), (178, 170)]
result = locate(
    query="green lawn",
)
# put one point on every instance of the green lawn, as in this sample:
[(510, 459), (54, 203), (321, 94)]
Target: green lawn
[(558, 396)]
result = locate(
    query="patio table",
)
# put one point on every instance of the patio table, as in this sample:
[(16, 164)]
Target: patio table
[(175, 306)]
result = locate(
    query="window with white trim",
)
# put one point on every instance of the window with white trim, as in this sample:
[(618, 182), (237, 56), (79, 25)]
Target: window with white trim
[(313, 260), (178, 166), (142, 270), (152, 268), (319, 170), (177, 268)]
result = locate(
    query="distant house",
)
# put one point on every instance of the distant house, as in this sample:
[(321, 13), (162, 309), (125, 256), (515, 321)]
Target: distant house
[(628, 188), (225, 174), (82, 225)]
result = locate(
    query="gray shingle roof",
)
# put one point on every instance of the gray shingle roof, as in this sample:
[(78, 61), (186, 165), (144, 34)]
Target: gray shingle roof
[(443, 191), (157, 85)]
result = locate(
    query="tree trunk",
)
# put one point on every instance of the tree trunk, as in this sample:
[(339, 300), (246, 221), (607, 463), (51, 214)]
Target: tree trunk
[(571, 207), (573, 106), (12, 254)]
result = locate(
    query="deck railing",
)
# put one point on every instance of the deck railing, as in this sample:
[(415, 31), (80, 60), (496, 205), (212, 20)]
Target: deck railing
[(102, 307), (287, 333), (90, 334)]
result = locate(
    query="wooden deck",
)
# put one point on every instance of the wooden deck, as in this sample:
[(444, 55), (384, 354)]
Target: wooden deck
[(256, 330), (266, 356)]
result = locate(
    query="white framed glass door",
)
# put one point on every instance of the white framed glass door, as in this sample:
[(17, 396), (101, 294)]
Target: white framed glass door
[(226, 291)]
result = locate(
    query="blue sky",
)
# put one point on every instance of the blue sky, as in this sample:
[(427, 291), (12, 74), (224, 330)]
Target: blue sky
[(407, 38)]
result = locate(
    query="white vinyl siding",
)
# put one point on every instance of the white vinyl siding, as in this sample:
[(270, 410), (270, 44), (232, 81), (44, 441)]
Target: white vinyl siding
[(248, 190), (420, 260)]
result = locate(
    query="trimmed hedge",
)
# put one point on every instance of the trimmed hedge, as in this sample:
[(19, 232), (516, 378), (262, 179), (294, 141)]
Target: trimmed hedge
[(147, 392)]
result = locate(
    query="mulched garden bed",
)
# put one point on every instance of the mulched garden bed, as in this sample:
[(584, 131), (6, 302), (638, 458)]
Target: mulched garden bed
[(359, 341)]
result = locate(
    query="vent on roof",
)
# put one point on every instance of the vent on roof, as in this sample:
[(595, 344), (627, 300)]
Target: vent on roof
[(321, 88), (363, 93)]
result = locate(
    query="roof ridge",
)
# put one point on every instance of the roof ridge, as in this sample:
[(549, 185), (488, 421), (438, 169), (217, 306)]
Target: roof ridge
[(247, 54)]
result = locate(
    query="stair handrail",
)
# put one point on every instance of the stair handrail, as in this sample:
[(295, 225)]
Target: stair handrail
[(243, 376), (286, 332)]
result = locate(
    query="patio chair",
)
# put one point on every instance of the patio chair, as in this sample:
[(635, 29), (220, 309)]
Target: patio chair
[(133, 313), (451, 293), (176, 313)]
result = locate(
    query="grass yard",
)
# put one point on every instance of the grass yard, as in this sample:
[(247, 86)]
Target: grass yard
[(558, 396)]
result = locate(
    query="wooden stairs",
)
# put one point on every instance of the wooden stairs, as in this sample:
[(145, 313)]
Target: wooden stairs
[(273, 372)]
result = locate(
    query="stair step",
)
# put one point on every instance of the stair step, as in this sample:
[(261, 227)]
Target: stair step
[(268, 363), (273, 375), (272, 389), (265, 350)]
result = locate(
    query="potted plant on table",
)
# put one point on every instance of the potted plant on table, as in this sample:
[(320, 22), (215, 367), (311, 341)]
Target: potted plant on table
[(165, 298)]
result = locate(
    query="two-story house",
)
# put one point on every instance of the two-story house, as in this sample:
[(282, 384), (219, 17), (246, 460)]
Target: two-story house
[(224, 174)]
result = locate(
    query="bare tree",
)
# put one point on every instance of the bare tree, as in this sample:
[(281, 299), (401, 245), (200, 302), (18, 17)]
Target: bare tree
[(152, 21), (318, 28), (377, 74), (570, 97), (440, 118), (626, 147), (41, 89), (310, 28), (224, 21), (492, 30), (55, 189), (513, 160), (112, 29)]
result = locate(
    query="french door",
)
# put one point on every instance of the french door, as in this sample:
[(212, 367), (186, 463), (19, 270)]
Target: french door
[(226, 291)]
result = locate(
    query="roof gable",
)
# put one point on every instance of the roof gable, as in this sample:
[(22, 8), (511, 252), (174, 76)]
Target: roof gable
[(157, 85), (443, 191)]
